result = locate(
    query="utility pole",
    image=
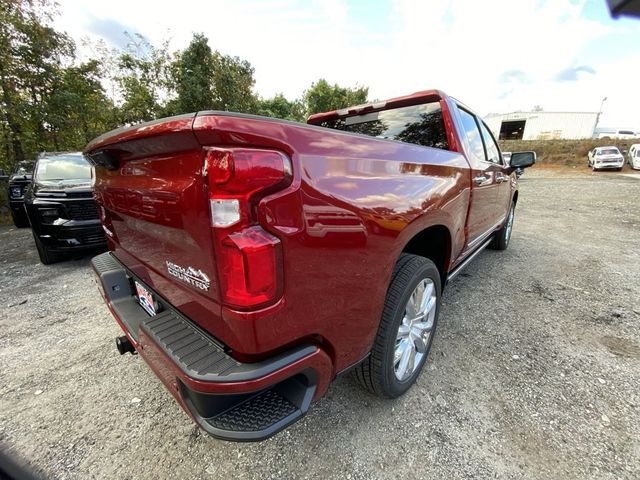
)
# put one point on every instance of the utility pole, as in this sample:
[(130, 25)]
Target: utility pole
[(599, 113)]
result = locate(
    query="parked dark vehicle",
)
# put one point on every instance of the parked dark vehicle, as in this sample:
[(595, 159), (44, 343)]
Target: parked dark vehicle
[(253, 260), (61, 209), (18, 182)]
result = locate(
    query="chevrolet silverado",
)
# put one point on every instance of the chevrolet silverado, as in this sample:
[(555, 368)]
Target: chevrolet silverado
[(252, 260)]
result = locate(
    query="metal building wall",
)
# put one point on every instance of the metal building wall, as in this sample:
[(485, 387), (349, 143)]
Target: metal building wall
[(548, 125)]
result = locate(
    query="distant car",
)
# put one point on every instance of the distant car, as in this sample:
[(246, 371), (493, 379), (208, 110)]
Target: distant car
[(605, 157), (61, 209), (634, 156), (19, 180)]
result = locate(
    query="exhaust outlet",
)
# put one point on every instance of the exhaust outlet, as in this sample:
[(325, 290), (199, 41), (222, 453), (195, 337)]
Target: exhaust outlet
[(124, 345)]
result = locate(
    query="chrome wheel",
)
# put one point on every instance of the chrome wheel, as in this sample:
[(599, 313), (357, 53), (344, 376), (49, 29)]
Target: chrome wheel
[(507, 233), (414, 333)]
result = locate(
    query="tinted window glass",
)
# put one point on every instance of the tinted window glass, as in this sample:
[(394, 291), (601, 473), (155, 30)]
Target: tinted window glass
[(63, 167), (419, 124), (472, 133), (493, 152), (24, 167)]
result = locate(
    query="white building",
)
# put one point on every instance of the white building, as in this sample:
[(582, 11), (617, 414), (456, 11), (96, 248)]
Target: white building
[(542, 125)]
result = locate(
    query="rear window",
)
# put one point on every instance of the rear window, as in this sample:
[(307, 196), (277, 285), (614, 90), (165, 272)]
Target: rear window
[(608, 151), (63, 167), (419, 124)]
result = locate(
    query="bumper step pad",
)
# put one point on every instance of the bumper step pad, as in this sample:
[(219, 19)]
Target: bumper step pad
[(248, 416), (254, 416), (258, 413)]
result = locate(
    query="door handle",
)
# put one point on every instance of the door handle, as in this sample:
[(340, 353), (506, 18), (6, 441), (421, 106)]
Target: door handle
[(480, 179), (501, 178)]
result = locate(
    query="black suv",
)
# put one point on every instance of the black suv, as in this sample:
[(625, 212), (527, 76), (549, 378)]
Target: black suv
[(18, 182), (61, 208)]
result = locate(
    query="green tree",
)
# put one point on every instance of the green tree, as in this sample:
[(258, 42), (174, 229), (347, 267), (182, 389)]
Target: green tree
[(31, 58), (78, 109), (280, 107), (144, 80), (193, 72), (232, 84), (208, 80), (324, 97)]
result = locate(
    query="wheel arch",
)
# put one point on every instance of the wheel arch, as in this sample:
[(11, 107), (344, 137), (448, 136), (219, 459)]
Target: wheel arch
[(434, 243)]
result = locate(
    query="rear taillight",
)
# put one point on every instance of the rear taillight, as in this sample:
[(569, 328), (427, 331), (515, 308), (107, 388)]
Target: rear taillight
[(249, 258)]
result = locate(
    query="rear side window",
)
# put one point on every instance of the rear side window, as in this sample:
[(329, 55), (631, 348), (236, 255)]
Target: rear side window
[(419, 124), (472, 134)]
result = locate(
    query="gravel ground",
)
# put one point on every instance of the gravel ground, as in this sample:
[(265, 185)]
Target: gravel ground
[(534, 371)]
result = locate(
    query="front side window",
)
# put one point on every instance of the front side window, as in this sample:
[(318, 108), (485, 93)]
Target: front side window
[(493, 152), (63, 167), (420, 124)]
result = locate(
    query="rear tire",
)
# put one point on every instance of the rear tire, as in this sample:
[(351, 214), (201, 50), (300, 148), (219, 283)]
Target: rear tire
[(47, 256), (406, 330), (501, 237)]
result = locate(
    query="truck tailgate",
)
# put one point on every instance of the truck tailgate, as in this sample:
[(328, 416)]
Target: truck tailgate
[(154, 196)]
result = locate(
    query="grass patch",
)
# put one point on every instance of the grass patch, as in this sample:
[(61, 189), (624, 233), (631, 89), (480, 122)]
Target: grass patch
[(563, 152)]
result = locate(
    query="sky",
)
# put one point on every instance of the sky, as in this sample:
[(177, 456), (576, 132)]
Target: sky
[(495, 56)]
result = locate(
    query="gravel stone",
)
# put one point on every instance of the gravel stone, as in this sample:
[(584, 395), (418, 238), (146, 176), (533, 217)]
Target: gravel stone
[(564, 296)]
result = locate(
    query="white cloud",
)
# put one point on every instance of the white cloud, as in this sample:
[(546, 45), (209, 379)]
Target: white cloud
[(463, 47)]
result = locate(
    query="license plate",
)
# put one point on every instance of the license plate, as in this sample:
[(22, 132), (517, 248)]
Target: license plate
[(145, 299)]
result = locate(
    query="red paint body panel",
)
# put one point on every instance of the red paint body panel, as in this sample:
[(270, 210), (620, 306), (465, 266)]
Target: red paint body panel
[(353, 204), (371, 197)]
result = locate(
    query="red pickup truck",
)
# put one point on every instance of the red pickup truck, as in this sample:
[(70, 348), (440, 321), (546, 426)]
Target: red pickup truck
[(253, 260)]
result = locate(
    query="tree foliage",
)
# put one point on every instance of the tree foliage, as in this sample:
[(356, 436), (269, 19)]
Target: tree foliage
[(193, 76), (49, 100), (47, 103), (323, 97), (280, 107), (143, 77), (78, 109)]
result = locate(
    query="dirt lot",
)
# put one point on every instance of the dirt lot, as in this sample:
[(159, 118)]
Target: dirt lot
[(535, 371)]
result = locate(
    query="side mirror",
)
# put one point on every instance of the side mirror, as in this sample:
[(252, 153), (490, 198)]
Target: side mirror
[(522, 159)]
